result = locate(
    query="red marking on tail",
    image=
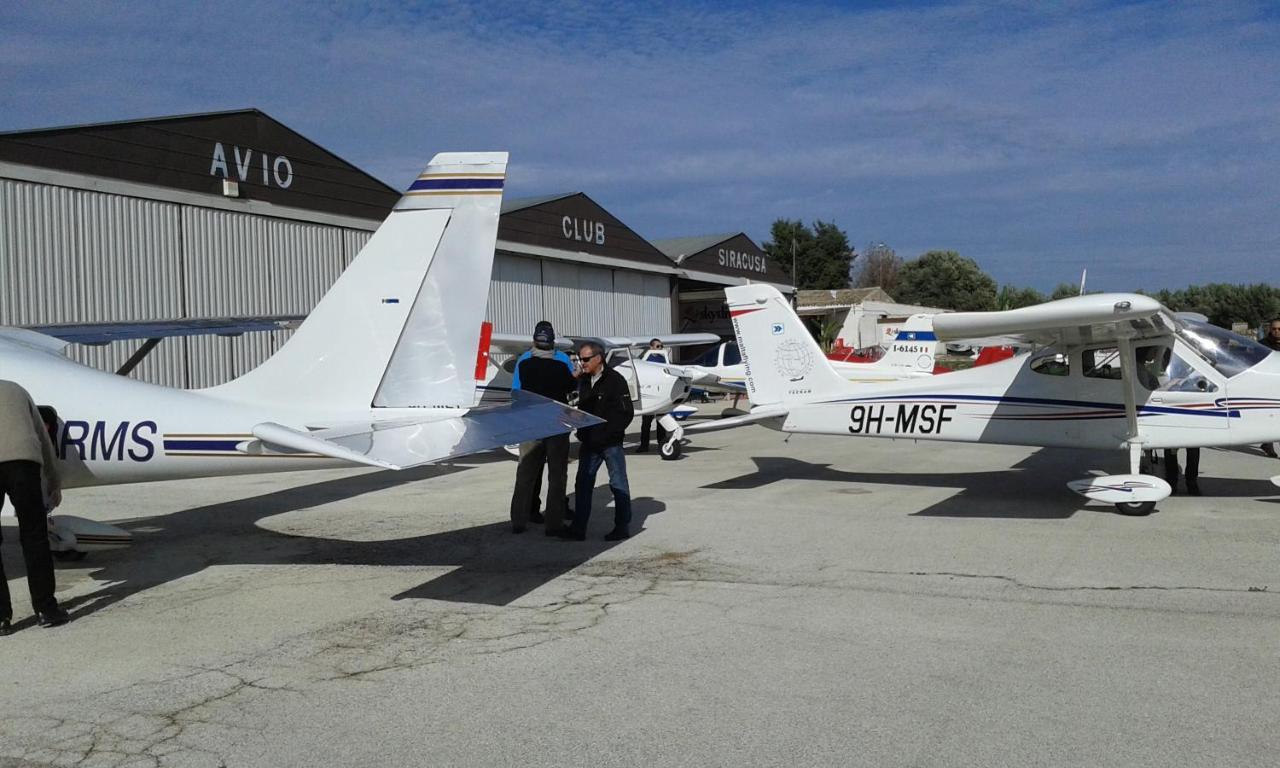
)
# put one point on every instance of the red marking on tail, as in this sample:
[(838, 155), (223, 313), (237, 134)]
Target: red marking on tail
[(482, 356)]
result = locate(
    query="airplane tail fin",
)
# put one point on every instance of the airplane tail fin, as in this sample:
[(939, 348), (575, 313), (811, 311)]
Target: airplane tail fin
[(401, 326), (914, 349), (781, 360)]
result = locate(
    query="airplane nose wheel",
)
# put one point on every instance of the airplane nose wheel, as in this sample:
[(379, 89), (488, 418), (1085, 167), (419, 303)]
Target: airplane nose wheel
[(670, 450), (1136, 509)]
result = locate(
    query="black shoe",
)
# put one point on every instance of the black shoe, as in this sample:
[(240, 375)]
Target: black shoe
[(53, 617), (6, 626), (617, 534), (536, 517), (1269, 449), (572, 534), (1193, 488), (642, 449)]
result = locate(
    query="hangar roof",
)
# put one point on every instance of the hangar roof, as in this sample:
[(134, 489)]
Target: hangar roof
[(726, 259), (269, 161), (573, 227)]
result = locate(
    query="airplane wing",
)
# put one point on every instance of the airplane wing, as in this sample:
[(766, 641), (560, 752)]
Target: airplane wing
[(33, 340), (104, 333), (668, 340), (515, 343), (1099, 317), (410, 443)]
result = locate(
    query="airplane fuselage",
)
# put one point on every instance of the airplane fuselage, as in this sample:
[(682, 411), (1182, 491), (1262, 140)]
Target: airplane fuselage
[(1009, 402), (114, 429)]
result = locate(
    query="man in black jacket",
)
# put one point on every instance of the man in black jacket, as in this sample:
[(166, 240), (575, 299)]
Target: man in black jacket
[(602, 392), (544, 372), (1271, 341)]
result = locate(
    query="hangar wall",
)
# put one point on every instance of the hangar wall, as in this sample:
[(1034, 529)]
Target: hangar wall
[(578, 299), (70, 256), (169, 218)]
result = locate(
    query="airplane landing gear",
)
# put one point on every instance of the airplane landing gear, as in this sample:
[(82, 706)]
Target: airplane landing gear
[(1136, 509), (670, 450)]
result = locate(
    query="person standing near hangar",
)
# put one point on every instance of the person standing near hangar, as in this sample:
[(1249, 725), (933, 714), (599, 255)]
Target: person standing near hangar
[(29, 478), (547, 372), (602, 392)]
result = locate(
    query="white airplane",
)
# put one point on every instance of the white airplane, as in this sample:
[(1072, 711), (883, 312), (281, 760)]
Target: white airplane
[(381, 373), (1113, 371)]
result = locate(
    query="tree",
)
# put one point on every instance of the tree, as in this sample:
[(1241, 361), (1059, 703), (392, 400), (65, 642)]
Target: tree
[(1064, 290), (1225, 304), (879, 266), (1014, 298), (822, 254), (948, 280)]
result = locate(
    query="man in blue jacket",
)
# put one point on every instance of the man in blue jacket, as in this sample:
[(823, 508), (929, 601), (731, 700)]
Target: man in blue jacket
[(543, 371)]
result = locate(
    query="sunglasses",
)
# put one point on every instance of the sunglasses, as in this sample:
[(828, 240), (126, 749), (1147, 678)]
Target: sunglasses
[(587, 358)]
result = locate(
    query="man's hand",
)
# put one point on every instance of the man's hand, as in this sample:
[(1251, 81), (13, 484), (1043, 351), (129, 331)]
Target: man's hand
[(55, 498)]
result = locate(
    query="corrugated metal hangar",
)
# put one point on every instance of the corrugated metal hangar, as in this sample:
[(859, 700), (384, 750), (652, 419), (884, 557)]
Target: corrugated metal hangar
[(234, 214)]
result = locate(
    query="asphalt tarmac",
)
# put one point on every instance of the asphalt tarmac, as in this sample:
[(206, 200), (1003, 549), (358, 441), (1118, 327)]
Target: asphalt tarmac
[(816, 602)]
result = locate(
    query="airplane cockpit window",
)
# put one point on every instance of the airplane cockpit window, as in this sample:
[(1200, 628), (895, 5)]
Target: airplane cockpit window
[(1228, 353), (1051, 363), (1101, 363), (616, 358), (710, 358), (731, 354)]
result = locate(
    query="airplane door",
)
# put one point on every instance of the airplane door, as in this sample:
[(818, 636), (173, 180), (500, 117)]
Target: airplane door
[(1182, 392)]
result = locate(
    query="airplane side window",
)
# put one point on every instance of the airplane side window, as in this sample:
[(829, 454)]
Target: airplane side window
[(1101, 363), (731, 354), (1181, 377), (1051, 363)]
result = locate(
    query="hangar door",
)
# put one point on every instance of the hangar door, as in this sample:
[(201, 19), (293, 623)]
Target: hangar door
[(578, 299)]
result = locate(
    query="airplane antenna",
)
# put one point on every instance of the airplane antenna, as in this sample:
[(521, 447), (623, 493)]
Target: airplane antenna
[(1084, 273)]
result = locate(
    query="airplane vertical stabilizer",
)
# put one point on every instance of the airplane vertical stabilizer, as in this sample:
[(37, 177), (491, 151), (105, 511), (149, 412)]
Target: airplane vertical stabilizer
[(914, 349), (781, 360), (401, 326)]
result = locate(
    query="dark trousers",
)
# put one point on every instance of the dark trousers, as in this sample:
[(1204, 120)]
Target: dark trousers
[(553, 453), (21, 482), (646, 423), (589, 461), (1171, 467)]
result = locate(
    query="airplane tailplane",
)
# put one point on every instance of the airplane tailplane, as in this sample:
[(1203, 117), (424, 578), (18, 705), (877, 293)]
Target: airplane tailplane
[(914, 349), (782, 362), (401, 326)]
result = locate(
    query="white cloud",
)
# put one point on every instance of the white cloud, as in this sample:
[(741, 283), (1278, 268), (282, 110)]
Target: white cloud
[(1020, 134)]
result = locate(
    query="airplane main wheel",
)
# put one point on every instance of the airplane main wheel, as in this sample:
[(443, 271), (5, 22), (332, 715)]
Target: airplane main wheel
[(1136, 508), (69, 555), (670, 450)]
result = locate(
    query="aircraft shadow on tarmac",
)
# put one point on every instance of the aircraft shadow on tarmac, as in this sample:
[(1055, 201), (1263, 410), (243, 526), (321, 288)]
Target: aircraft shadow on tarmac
[(1034, 488), (491, 565)]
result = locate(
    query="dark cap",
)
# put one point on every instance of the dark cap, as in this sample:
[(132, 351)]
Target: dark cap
[(544, 336)]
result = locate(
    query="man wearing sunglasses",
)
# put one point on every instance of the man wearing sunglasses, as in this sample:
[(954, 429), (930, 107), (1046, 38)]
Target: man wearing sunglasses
[(601, 392)]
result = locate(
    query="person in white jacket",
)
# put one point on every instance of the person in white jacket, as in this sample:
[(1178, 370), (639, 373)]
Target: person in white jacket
[(29, 479)]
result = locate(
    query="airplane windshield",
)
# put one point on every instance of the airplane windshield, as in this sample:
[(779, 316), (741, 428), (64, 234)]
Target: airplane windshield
[(1228, 353)]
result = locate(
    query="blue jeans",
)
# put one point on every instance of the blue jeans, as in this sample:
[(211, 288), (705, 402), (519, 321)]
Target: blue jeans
[(589, 462)]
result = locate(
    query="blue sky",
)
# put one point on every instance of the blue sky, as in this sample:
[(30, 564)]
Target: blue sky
[(1140, 140)]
